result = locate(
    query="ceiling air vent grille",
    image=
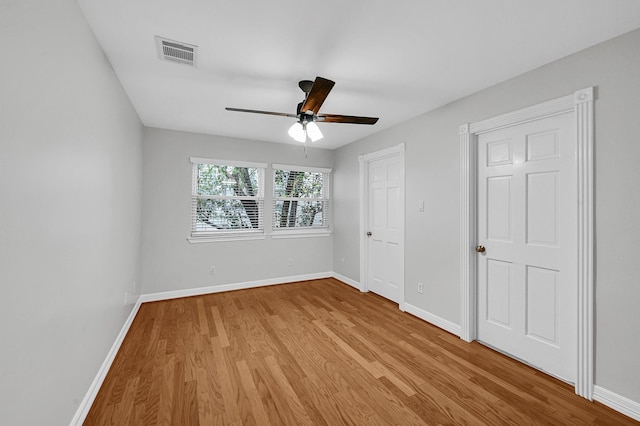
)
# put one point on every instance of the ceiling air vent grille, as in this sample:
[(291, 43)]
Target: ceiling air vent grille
[(176, 51)]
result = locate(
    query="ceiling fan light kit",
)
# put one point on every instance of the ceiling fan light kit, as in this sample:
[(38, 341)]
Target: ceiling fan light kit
[(313, 131), (298, 132), (301, 130), (307, 111)]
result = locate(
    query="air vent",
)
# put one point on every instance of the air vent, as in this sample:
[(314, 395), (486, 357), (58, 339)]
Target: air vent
[(176, 51)]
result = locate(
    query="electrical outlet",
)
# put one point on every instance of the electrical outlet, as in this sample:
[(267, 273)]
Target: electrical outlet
[(342, 261), (421, 206), (126, 298), (290, 262), (212, 270), (420, 288)]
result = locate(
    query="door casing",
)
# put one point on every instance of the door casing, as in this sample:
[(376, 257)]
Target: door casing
[(364, 160), (581, 105)]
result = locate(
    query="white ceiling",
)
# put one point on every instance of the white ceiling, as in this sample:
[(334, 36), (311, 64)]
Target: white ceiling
[(389, 59)]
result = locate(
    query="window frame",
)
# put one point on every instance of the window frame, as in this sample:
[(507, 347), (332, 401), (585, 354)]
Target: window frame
[(231, 234), (306, 231)]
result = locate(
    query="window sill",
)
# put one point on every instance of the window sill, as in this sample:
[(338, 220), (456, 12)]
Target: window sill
[(224, 238), (300, 233)]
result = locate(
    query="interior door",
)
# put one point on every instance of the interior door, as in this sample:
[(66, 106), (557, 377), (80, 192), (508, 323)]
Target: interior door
[(385, 220), (527, 236)]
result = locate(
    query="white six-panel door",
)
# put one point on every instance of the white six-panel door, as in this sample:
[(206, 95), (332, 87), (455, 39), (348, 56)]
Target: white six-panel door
[(385, 216), (527, 216)]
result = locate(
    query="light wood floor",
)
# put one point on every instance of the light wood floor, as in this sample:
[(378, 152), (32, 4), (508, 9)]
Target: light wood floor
[(319, 353)]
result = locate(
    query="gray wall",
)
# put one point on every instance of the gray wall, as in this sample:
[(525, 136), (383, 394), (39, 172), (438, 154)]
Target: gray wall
[(170, 262), (70, 196), (432, 175)]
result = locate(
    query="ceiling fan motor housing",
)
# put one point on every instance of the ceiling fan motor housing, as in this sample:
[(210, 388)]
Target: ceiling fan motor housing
[(307, 118), (305, 85)]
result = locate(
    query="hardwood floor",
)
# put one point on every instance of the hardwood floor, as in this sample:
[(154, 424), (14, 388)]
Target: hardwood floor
[(319, 353)]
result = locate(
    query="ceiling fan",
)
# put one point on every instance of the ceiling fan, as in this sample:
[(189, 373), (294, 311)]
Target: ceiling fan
[(307, 111)]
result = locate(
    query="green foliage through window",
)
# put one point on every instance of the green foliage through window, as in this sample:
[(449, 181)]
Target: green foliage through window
[(300, 199), (227, 198)]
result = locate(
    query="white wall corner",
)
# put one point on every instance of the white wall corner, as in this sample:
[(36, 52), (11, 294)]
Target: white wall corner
[(440, 322), (619, 403), (353, 283), (84, 407), (197, 291)]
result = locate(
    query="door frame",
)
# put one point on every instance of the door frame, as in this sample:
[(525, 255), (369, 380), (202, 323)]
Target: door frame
[(364, 161), (581, 105)]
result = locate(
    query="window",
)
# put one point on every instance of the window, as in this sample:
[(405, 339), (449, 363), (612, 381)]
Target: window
[(227, 199), (300, 199)]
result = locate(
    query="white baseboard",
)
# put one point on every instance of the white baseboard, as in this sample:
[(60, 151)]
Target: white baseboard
[(166, 295), (619, 403), (85, 405), (413, 310), (444, 324), (87, 401), (353, 283)]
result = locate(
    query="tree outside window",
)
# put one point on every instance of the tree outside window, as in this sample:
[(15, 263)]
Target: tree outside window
[(227, 198), (301, 198)]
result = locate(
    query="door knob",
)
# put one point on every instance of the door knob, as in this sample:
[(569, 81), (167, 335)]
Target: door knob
[(480, 249), (369, 234)]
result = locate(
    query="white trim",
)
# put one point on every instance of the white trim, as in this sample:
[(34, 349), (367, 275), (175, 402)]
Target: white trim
[(300, 168), (383, 153), (166, 295), (535, 112), (581, 104), (229, 237), (299, 233), (468, 224), (586, 230), (619, 403), (440, 322), (353, 283), (217, 162), (364, 201), (303, 231), (90, 396)]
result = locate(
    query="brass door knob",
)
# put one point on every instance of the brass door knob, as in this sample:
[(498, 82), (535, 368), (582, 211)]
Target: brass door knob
[(480, 249)]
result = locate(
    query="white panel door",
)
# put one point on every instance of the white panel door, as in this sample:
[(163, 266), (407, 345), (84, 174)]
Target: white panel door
[(527, 216), (385, 216)]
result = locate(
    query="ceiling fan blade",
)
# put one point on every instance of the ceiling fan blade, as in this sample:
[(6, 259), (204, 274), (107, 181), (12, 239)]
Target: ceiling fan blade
[(255, 111), (352, 119), (319, 92)]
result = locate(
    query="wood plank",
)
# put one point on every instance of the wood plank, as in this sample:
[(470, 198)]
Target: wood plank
[(222, 333), (319, 352)]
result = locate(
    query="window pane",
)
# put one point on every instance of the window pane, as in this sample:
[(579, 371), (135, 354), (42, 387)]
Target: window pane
[(212, 215), (291, 183), (228, 181), (291, 214)]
